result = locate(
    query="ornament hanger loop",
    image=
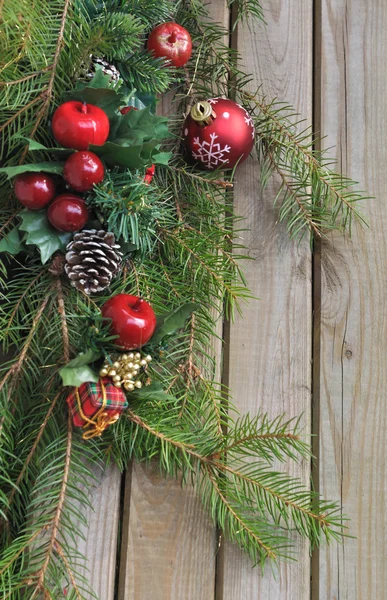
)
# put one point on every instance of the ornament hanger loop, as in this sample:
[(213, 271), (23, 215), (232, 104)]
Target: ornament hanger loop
[(203, 113)]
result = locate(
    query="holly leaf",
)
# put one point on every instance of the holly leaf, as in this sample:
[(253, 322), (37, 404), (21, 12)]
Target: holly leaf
[(47, 167), (34, 145), (99, 92), (11, 242), (169, 323), (132, 157), (78, 370), (153, 392), (137, 127), (41, 234)]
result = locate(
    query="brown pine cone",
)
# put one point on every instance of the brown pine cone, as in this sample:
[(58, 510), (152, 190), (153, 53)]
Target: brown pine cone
[(92, 260)]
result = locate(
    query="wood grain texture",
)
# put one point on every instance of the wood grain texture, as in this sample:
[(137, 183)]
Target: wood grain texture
[(353, 382), (98, 542), (270, 346), (169, 544)]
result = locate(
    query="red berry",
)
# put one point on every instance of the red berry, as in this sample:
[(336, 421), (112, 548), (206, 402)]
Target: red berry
[(171, 41), (132, 319), (34, 190), (68, 212), (127, 109), (82, 170), (76, 125)]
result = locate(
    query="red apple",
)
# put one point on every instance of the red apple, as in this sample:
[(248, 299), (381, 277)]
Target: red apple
[(171, 41), (34, 190), (82, 170), (132, 319), (68, 212), (77, 124)]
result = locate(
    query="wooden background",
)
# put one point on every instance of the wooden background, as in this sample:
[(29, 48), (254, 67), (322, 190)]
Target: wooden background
[(314, 343)]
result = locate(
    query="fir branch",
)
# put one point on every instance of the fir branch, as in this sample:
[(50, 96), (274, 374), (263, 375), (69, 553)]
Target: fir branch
[(59, 508)]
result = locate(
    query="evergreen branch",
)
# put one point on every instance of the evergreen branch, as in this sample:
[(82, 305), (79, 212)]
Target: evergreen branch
[(33, 448), (59, 508), (66, 563), (19, 302), (268, 551), (62, 313)]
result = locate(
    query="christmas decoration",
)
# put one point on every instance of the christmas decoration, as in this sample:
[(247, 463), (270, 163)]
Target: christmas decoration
[(149, 174), (82, 170), (34, 190), (171, 41), (78, 124), (132, 320), (127, 370), (107, 69), (218, 133), (176, 237), (92, 260), (95, 406), (68, 212)]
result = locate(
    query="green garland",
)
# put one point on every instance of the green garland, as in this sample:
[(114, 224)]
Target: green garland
[(179, 238)]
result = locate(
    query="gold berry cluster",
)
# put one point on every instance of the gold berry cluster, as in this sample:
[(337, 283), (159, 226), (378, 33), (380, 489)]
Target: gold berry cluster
[(126, 370)]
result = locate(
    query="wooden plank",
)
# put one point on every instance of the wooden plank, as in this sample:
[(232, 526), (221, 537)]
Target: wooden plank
[(169, 544), (353, 384), (270, 346), (99, 545)]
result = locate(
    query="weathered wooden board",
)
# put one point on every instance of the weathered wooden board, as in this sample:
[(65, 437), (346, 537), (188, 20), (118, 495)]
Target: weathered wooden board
[(270, 346), (98, 542), (169, 544), (353, 381)]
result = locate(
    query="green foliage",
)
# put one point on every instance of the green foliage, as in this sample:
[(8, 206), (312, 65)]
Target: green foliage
[(170, 323), (78, 370), (11, 242), (41, 234), (46, 167), (182, 254)]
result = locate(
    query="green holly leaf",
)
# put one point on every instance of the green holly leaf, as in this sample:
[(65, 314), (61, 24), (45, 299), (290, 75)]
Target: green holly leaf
[(171, 322), (137, 127), (132, 157), (153, 392), (41, 234), (99, 92), (11, 242), (78, 370), (47, 167), (34, 145)]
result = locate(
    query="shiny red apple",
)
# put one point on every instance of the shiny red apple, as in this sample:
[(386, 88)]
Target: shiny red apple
[(132, 320), (34, 190), (77, 124), (68, 212), (82, 170), (171, 41)]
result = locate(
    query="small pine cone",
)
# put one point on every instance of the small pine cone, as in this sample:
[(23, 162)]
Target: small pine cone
[(106, 68), (92, 260)]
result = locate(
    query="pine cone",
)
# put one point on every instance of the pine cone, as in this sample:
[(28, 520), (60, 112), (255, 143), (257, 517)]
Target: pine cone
[(106, 68), (92, 260)]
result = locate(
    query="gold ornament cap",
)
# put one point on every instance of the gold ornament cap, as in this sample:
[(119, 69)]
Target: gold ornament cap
[(203, 113)]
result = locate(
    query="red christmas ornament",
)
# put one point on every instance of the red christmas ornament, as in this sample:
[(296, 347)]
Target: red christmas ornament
[(219, 133), (34, 190), (82, 170), (77, 124), (68, 212)]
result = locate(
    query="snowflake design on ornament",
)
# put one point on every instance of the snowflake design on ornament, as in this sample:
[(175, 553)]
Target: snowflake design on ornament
[(213, 101), (249, 121), (210, 153)]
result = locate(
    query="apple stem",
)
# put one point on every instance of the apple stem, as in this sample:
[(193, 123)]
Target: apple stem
[(84, 107), (137, 304), (172, 38)]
